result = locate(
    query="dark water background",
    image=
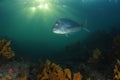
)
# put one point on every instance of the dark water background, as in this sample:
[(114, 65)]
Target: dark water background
[(31, 33)]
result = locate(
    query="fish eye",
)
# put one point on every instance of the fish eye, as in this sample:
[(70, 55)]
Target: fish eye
[(56, 24)]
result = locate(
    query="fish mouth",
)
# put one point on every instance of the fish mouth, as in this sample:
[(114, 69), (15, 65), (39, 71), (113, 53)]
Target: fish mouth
[(54, 30), (57, 31)]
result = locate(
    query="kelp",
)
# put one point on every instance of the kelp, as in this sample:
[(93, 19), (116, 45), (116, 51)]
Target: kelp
[(5, 49), (51, 71)]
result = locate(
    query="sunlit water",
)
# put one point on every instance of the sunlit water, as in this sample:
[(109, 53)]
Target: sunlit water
[(29, 23)]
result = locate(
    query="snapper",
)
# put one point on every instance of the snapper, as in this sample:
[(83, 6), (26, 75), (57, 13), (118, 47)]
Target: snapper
[(66, 26)]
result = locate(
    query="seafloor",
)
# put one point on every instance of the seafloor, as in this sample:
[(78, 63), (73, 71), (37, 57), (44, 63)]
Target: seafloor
[(102, 64)]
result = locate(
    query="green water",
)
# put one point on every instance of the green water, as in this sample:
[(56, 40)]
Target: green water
[(30, 28)]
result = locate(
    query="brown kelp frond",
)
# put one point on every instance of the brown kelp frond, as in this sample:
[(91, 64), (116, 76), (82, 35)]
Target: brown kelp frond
[(51, 71), (5, 49)]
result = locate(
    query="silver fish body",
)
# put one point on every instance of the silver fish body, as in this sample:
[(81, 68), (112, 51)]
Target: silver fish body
[(65, 26)]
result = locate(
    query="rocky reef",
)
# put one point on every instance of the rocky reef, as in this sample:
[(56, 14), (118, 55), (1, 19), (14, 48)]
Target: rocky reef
[(102, 64)]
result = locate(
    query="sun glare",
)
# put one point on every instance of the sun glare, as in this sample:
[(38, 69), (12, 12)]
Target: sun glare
[(40, 0), (46, 6), (43, 6), (40, 6), (33, 8)]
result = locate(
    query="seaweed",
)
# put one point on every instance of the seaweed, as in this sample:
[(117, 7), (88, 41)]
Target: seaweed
[(5, 49), (51, 71), (117, 71)]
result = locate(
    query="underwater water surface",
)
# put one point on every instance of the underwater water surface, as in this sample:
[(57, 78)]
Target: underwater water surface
[(29, 23)]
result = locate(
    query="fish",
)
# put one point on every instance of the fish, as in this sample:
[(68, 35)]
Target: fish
[(67, 26)]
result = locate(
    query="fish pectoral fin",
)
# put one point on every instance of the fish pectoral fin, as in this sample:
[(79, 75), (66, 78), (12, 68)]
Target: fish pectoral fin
[(66, 35), (86, 29), (85, 23)]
